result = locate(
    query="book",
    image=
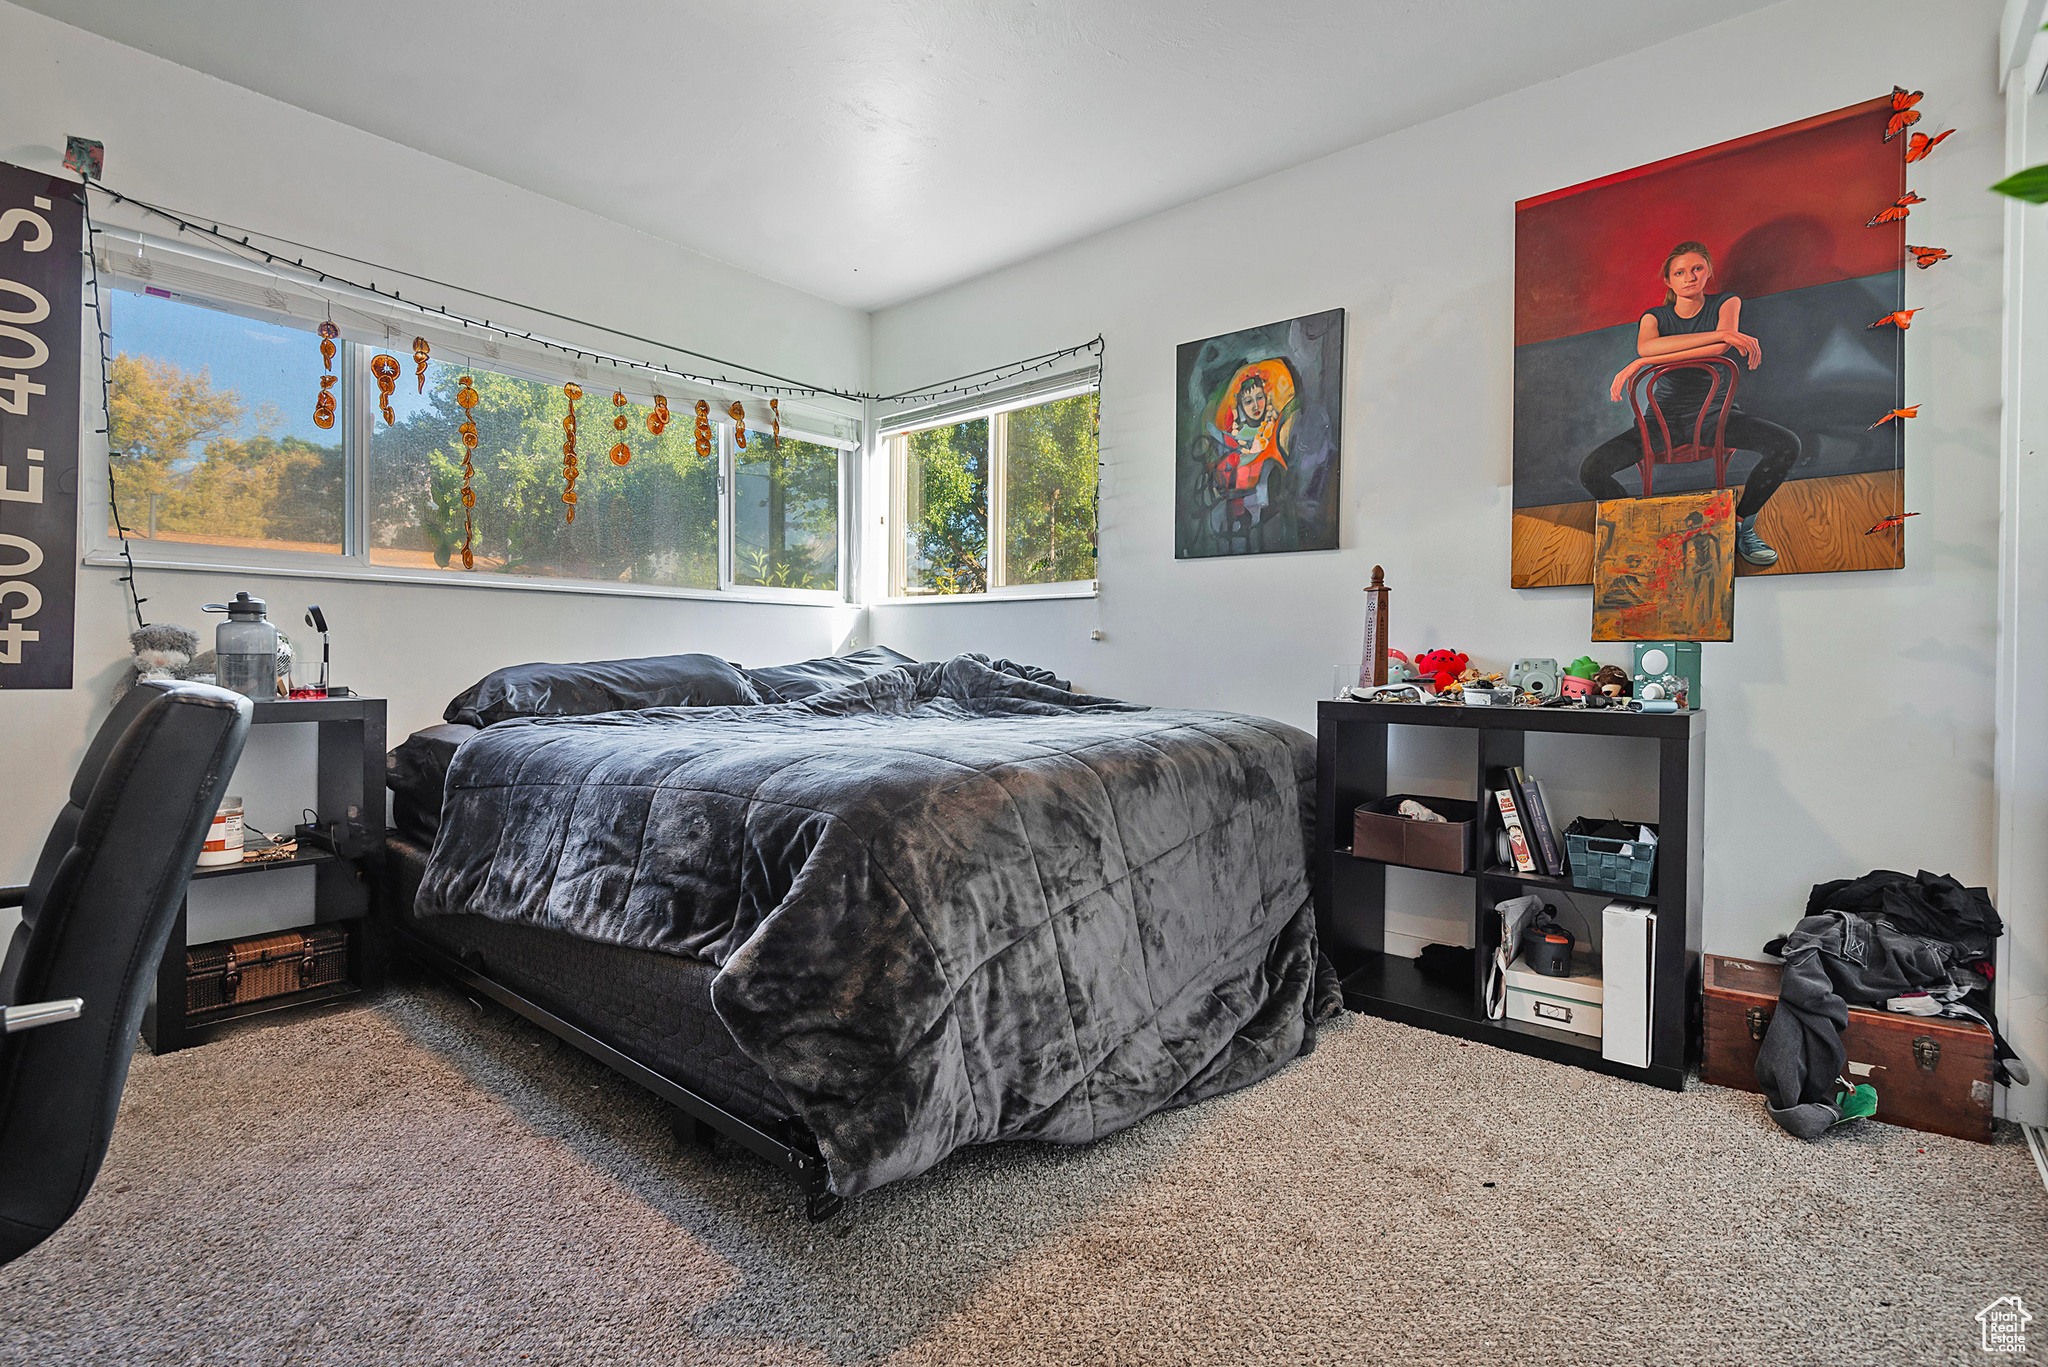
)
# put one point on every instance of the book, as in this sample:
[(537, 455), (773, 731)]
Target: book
[(1628, 940), (1560, 853), (1518, 842), (1536, 823)]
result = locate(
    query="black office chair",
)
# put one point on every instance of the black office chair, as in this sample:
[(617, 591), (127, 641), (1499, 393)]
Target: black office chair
[(95, 919)]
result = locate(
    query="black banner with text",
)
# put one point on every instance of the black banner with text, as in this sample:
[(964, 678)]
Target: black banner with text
[(40, 299)]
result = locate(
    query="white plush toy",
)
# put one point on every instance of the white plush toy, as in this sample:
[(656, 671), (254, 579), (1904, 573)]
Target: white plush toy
[(161, 652)]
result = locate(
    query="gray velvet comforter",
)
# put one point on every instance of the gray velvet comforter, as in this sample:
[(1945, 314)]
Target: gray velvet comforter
[(948, 905)]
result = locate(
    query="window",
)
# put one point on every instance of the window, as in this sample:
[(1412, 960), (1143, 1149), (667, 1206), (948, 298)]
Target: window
[(213, 419), (996, 500), (785, 527), (653, 520), (215, 375)]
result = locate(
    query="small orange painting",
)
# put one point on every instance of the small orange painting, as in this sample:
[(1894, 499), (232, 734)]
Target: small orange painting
[(1664, 568)]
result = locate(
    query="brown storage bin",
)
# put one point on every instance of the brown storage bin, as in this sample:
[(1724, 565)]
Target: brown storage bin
[(1446, 846), (1931, 1073), (231, 972)]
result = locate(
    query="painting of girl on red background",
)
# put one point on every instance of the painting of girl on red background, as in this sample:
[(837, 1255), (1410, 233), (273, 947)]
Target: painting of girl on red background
[(1749, 265)]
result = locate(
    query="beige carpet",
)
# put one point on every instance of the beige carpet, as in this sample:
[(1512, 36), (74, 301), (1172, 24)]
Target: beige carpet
[(420, 1181)]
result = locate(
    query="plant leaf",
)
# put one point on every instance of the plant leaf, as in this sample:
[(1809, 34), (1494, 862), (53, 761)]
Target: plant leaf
[(2030, 185)]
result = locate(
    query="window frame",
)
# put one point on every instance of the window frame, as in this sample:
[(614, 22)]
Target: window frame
[(891, 435), (101, 547), (728, 521)]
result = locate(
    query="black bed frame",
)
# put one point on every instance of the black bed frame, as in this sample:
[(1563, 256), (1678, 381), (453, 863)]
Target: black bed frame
[(694, 1119)]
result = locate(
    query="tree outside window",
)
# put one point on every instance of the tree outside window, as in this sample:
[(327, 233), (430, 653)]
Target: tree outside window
[(999, 501)]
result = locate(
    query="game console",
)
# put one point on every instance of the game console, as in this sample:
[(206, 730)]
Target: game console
[(1668, 670)]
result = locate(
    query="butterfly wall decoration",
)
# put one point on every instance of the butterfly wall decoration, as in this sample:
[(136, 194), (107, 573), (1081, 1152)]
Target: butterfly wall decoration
[(1904, 115), (1919, 145), (1899, 209)]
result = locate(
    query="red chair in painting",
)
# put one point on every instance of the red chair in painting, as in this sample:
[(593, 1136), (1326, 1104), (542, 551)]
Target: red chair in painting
[(1659, 450)]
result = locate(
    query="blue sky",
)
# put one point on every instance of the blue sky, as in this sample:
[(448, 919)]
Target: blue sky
[(263, 363)]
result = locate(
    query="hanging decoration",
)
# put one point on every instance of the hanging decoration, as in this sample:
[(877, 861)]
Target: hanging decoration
[(420, 352), (323, 406), (738, 414), (466, 396), (1885, 524), (657, 420), (1919, 145), (574, 392), (385, 368), (621, 453), (703, 429), (1901, 320), (1923, 257), (775, 417), (1899, 209), (1904, 115), (1900, 413)]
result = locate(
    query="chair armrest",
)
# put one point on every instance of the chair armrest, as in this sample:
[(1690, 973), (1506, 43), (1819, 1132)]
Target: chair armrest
[(41, 1013), (14, 896)]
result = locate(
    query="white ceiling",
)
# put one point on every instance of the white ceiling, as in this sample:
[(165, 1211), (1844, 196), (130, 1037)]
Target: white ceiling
[(887, 147)]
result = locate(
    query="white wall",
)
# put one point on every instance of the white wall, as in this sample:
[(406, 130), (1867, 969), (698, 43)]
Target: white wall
[(1850, 721), (189, 141)]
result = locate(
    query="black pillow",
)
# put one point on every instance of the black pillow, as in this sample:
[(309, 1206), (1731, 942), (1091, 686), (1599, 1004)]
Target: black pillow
[(417, 775), (579, 690), (788, 683)]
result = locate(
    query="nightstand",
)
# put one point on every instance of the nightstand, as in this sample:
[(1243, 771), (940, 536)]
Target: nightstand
[(350, 788)]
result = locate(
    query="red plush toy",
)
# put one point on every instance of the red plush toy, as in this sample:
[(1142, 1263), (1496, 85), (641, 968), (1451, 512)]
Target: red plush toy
[(1441, 668)]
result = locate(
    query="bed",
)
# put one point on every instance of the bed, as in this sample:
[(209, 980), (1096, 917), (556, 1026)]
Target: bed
[(857, 913)]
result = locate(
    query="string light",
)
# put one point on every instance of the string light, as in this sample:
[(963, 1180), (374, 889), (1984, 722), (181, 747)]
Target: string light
[(996, 374), (771, 383), (107, 410)]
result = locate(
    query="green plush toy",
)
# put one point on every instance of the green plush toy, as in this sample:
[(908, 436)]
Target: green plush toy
[(1585, 667)]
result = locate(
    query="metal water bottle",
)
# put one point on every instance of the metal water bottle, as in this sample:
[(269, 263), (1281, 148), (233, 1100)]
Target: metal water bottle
[(245, 649)]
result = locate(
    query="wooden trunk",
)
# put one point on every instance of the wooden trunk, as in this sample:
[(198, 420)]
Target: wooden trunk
[(1930, 1073), (229, 972)]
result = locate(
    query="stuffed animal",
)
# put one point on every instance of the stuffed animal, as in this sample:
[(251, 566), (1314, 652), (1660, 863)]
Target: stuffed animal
[(161, 652), (1614, 681), (1441, 668)]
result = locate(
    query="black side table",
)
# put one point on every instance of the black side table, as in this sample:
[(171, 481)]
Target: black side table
[(350, 792)]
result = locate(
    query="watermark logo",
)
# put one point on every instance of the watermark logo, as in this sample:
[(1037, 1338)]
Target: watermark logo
[(2003, 1324)]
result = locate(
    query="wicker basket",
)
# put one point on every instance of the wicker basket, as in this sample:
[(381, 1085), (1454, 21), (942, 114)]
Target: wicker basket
[(231, 972), (1605, 856)]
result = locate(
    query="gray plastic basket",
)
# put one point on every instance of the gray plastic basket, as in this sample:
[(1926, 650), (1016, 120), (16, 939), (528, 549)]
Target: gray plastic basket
[(1605, 858)]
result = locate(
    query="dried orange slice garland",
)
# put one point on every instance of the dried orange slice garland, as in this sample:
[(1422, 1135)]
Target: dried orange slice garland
[(420, 352), (465, 395), (657, 421), (323, 406), (574, 392), (738, 414), (621, 453), (775, 417), (385, 368), (703, 428)]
